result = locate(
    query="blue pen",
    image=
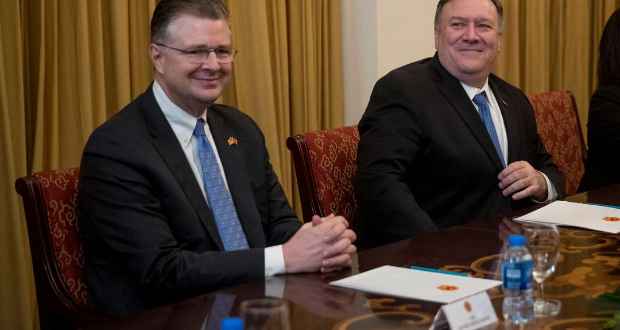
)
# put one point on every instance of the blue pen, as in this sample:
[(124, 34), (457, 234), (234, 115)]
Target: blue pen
[(432, 270), (612, 206)]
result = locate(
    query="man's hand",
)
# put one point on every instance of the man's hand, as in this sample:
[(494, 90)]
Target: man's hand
[(337, 256), (325, 244), (521, 180)]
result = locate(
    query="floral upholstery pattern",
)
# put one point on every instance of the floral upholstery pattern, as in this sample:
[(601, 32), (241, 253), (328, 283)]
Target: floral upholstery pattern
[(333, 155), (559, 128), (60, 193)]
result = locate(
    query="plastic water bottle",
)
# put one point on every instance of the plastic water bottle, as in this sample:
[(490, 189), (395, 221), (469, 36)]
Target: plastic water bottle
[(518, 307)]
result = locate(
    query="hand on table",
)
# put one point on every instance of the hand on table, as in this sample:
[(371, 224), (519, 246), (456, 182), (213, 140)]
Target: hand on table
[(521, 180), (325, 245)]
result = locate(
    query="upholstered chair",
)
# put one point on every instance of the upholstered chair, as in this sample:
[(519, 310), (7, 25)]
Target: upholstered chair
[(325, 165), (49, 203), (560, 130)]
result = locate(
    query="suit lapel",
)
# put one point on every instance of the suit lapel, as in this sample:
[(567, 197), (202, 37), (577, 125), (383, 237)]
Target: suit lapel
[(167, 145), (455, 94), (233, 162), (510, 123)]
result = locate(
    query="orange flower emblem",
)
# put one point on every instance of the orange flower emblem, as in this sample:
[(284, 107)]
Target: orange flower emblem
[(232, 141), (611, 219), (448, 287)]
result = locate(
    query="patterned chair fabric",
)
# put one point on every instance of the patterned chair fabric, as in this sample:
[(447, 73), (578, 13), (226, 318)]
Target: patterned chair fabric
[(60, 193), (559, 128), (50, 206), (325, 165)]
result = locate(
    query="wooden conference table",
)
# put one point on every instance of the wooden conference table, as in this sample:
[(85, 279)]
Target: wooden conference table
[(589, 265)]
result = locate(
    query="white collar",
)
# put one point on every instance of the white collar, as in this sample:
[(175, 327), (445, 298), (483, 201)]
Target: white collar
[(473, 91), (182, 123)]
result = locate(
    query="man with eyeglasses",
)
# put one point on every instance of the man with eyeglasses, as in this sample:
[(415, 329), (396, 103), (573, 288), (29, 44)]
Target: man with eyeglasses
[(176, 195)]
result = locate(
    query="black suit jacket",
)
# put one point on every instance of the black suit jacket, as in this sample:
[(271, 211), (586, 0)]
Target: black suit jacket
[(603, 139), (425, 160), (149, 237)]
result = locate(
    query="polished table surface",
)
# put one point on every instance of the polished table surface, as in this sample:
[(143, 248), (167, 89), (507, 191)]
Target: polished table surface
[(589, 266)]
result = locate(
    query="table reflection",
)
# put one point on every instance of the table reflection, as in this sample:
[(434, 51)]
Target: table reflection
[(588, 266)]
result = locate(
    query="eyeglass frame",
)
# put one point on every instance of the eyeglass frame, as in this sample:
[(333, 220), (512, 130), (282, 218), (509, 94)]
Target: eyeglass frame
[(205, 52)]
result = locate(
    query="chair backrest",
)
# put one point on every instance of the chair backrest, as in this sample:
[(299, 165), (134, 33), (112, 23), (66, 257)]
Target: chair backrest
[(559, 128), (49, 203), (325, 165)]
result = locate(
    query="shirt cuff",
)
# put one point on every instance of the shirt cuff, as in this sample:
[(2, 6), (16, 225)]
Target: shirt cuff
[(552, 193), (274, 261)]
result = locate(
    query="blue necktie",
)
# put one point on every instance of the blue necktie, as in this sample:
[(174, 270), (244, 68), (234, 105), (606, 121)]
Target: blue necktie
[(219, 198), (485, 113)]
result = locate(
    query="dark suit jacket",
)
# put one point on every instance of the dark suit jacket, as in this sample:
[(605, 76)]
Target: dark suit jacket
[(425, 160), (603, 139), (149, 237)]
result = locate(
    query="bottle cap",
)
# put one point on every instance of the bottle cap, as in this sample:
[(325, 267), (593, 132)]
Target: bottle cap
[(232, 323), (516, 240)]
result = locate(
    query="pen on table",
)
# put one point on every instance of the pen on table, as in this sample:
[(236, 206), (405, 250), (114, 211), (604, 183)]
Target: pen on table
[(605, 205), (432, 270)]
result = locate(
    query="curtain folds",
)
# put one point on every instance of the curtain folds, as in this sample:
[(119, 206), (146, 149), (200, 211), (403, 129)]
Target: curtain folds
[(288, 72), (553, 45), (66, 66), (17, 294)]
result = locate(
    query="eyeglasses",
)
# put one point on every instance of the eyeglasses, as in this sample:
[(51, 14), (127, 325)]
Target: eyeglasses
[(223, 55)]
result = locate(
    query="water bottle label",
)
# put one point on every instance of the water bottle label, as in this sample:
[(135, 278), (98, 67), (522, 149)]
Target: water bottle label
[(518, 276)]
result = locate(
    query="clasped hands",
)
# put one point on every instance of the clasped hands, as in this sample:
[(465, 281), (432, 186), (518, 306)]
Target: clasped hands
[(522, 180), (325, 244)]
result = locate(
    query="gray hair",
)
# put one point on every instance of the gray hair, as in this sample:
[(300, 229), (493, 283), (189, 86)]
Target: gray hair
[(168, 10)]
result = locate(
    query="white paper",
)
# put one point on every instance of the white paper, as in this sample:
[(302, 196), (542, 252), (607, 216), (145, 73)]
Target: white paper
[(416, 284), (588, 216), (473, 312)]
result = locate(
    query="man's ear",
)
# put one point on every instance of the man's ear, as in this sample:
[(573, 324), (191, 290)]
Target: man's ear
[(436, 37), (156, 55)]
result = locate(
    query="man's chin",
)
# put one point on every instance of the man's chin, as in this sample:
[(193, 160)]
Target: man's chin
[(208, 95), (472, 67)]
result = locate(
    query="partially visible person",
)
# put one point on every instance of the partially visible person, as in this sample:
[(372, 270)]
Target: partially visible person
[(444, 141), (604, 116), (176, 195)]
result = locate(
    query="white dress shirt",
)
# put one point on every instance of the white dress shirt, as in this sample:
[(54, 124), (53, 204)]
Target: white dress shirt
[(498, 122), (183, 125)]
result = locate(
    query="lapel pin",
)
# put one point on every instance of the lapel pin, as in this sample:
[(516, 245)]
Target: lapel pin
[(506, 104), (231, 141)]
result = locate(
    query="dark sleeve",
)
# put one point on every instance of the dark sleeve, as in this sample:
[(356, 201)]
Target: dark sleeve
[(603, 139), (137, 234), (282, 222), (391, 139)]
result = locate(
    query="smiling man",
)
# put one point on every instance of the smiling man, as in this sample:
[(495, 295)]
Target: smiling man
[(444, 141), (176, 195)]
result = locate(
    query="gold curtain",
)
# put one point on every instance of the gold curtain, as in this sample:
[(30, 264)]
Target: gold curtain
[(553, 45), (68, 65), (17, 296), (288, 73)]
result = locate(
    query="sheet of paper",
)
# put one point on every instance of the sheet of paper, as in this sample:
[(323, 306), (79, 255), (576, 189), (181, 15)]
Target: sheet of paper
[(416, 284), (561, 213)]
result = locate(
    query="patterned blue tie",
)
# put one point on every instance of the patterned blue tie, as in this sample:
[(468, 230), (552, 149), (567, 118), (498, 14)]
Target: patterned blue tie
[(219, 198), (485, 114)]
